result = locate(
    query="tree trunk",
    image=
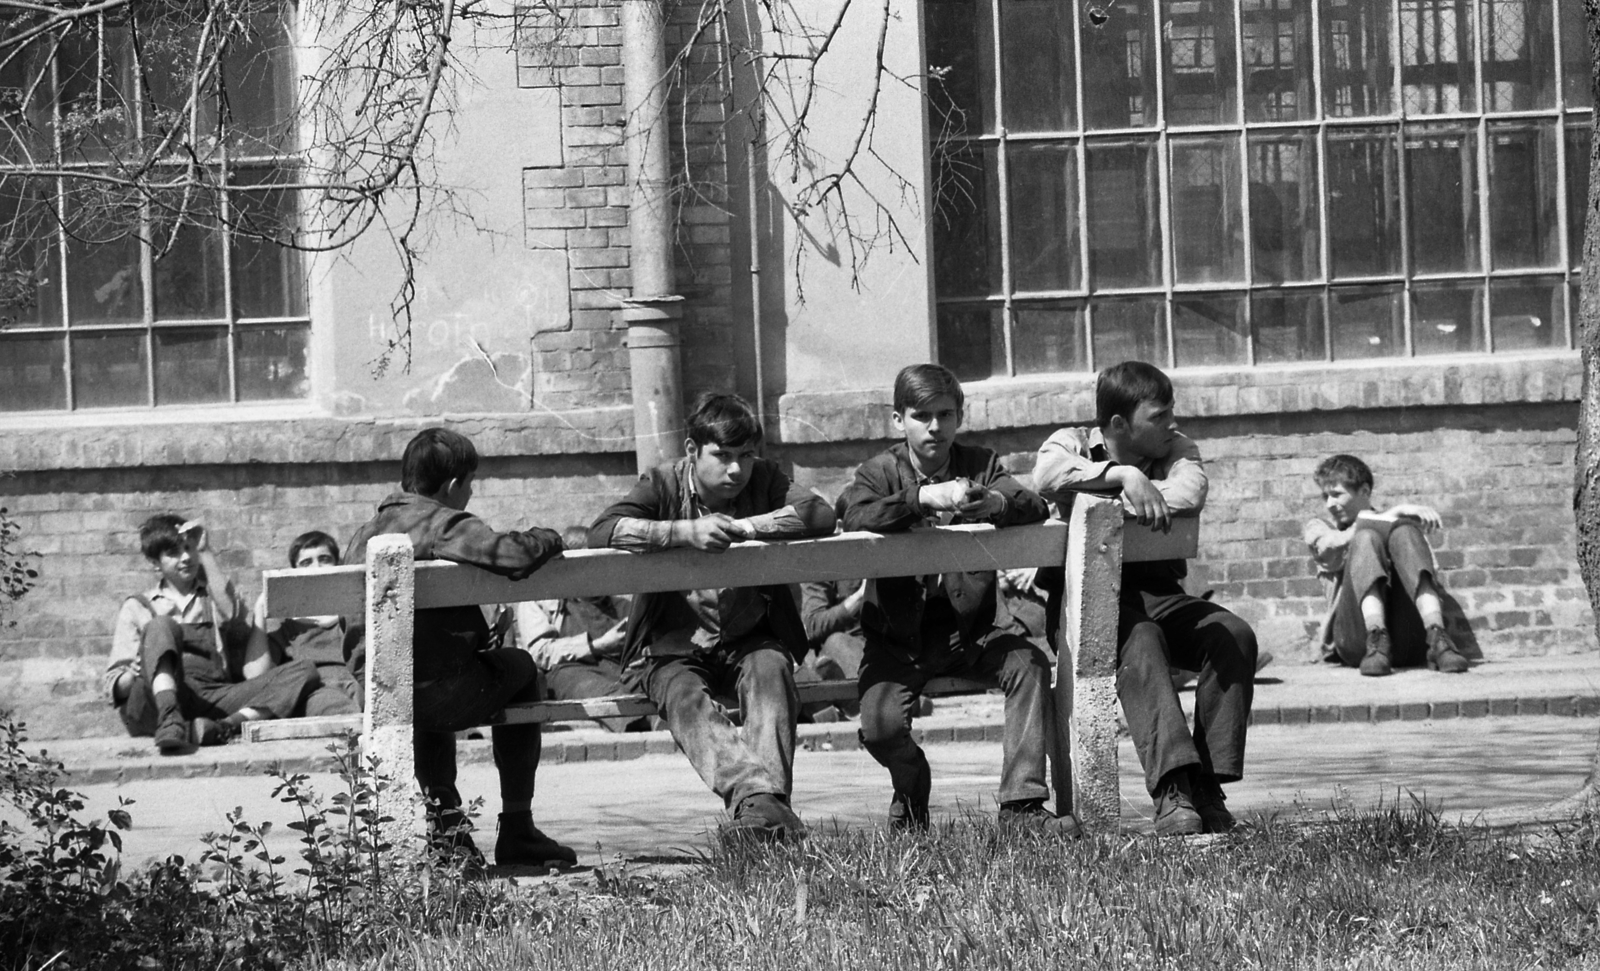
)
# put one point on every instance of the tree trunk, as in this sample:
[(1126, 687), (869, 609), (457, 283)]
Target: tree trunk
[(1586, 495)]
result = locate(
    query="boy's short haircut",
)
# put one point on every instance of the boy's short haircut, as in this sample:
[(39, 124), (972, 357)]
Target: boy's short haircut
[(575, 538), (1345, 470), (159, 535), (726, 419), (918, 384), (433, 457), (1119, 388), (310, 541)]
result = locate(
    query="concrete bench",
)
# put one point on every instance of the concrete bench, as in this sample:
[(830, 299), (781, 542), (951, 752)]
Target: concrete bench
[(1092, 545)]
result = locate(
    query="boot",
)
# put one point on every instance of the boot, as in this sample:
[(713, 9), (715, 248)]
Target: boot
[(172, 730), (1442, 653), (450, 842), (767, 816), (522, 844), (908, 811), (1032, 812), (1175, 811), (1376, 663), (1211, 804)]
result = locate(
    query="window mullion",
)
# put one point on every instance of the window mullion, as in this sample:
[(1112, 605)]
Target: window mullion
[(225, 234), (1003, 177), (1163, 184), (1563, 211), (1081, 154), (1244, 174)]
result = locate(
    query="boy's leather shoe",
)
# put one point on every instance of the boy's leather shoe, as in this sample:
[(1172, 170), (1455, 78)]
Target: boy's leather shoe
[(907, 813), (1442, 653), (1031, 812), (1175, 811), (450, 842), (172, 731), (1211, 804), (523, 844), (766, 815), (210, 732), (1376, 663)]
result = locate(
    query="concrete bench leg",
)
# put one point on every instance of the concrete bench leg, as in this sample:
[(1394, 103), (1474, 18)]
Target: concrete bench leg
[(1086, 669), (391, 604)]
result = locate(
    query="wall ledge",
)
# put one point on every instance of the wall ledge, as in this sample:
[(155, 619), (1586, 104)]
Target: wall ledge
[(1005, 403)]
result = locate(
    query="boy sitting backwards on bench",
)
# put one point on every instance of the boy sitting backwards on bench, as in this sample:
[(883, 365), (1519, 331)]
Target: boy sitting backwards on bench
[(460, 681), (686, 647), (1383, 595), (954, 624)]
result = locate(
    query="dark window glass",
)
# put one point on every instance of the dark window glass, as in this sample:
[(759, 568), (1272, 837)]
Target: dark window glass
[(104, 285), (1284, 222), (1366, 322), (1202, 86), (1436, 51), (258, 86), (187, 265), (1527, 314), (1209, 328), (1279, 83), (1523, 195), (1207, 217), (1576, 65), (1442, 174), (1446, 318), (972, 341), (1519, 60), (1050, 338), (1037, 58), (272, 362), (191, 366), (1288, 326), (961, 66), (1363, 201), (33, 373), (1578, 139), (1129, 329), (1119, 59), (1044, 218), (268, 277), (1358, 68), (30, 280), (110, 369), (1124, 234)]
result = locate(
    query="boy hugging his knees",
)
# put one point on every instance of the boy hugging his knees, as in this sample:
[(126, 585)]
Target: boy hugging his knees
[(461, 681), (1378, 569), (187, 649), (685, 648), (954, 624), (325, 642), (1135, 452)]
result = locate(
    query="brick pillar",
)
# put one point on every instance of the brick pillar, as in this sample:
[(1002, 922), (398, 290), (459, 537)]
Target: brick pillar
[(391, 603)]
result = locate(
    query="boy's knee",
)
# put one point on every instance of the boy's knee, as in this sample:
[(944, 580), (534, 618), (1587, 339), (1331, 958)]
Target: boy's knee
[(884, 719), (1023, 661), (1144, 652)]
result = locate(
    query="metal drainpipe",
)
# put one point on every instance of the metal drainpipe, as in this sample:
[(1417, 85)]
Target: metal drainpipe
[(652, 313)]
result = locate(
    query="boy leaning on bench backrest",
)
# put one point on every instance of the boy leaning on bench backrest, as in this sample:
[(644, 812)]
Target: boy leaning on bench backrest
[(1383, 593), (325, 642), (1136, 451), (186, 649), (686, 647), (461, 682), (954, 624)]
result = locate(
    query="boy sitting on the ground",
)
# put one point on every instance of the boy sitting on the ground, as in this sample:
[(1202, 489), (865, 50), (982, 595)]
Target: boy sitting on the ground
[(687, 647), (1135, 451), (186, 649), (460, 681), (324, 641), (577, 643), (954, 624), (1383, 592)]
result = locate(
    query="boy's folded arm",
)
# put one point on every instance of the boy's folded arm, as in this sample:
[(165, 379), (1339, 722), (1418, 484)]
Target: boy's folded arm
[(1022, 505), (643, 504), (1185, 486), (1062, 466), (1324, 538), (821, 616), (867, 509), (467, 539)]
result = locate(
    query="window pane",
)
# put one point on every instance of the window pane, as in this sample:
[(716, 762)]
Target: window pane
[(1202, 87), (1578, 137), (1207, 218), (1044, 218), (1366, 322), (1527, 314), (1442, 170), (25, 97), (33, 373), (961, 59), (109, 370), (1577, 86), (1288, 326), (1124, 215), (1283, 207), (1036, 58), (1050, 339), (1278, 66), (1446, 318), (94, 81), (972, 341), (1130, 329), (1523, 218), (272, 363), (1358, 70), (268, 276), (191, 366), (1119, 58), (168, 39), (103, 281), (188, 276), (30, 280), (1519, 68), (1363, 202), (1436, 72), (1209, 329), (258, 84)]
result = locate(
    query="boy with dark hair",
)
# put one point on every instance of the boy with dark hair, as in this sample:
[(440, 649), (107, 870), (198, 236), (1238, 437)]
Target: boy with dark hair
[(1383, 590), (461, 681), (1136, 452), (323, 641), (186, 649), (686, 647), (919, 628)]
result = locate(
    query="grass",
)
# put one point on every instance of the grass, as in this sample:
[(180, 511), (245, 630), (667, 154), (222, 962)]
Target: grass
[(1388, 889)]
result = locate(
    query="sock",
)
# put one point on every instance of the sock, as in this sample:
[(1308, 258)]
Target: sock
[(166, 700), (1372, 612), (1429, 607)]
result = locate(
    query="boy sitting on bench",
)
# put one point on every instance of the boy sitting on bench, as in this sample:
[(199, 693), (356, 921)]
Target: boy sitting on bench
[(687, 647), (323, 641), (461, 682)]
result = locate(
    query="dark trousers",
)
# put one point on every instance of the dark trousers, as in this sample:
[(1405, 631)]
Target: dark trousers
[(890, 688), (1158, 628), (205, 687), (1393, 557), (754, 757), (472, 697), (339, 694), (594, 677)]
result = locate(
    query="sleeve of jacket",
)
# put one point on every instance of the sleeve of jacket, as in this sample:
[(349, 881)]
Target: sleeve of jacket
[(464, 538), (813, 510), (1184, 485), (877, 501), (821, 613), (643, 501), (1023, 505)]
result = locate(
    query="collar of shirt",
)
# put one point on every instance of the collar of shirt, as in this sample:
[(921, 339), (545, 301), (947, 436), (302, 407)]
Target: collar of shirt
[(165, 591)]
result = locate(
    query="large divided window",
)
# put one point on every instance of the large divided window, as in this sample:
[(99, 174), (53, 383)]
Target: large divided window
[(1234, 182), (115, 291)]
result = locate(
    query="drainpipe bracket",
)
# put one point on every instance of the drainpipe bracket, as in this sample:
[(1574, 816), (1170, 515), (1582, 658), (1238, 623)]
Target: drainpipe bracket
[(648, 309)]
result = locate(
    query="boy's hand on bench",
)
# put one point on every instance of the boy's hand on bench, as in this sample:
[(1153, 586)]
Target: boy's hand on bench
[(948, 496), (1140, 497), (712, 533)]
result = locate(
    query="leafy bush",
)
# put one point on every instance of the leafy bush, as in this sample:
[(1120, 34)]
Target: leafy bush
[(16, 567)]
